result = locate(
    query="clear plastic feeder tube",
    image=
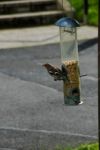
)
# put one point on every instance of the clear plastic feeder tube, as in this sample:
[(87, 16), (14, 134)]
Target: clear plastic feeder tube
[(70, 63), (69, 59), (68, 40)]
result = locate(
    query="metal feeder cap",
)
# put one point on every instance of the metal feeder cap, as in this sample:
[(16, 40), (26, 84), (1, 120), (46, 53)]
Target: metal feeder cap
[(67, 22)]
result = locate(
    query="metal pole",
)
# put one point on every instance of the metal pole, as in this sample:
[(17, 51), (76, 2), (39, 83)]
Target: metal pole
[(99, 75), (99, 86), (85, 11)]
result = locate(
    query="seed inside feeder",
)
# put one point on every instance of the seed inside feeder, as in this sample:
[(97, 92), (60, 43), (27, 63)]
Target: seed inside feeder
[(72, 82)]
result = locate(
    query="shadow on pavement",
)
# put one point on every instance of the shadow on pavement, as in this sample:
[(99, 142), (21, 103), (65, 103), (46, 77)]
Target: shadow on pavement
[(88, 43)]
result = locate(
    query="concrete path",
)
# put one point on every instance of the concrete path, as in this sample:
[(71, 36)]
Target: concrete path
[(32, 110), (39, 36)]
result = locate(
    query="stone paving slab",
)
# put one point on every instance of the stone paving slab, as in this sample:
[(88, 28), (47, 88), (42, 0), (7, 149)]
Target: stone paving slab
[(32, 110), (28, 105), (23, 37), (36, 111)]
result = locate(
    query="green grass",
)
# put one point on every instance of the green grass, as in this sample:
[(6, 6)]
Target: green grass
[(88, 147), (92, 11), (94, 146), (91, 146)]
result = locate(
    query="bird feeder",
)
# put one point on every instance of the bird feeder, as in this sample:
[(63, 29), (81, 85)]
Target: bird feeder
[(69, 71), (70, 59)]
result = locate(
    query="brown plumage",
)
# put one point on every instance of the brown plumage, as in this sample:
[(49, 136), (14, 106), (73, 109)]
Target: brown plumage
[(54, 71)]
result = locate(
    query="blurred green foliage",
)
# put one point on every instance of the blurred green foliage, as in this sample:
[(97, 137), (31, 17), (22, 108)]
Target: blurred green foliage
[(88, 147), (92, 146), (92, 18)]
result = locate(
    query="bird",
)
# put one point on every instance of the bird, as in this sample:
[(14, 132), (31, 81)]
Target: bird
[(65, 73), (54, 71)]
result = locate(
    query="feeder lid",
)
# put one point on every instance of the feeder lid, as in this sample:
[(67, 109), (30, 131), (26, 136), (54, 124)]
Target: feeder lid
[(67, 22)]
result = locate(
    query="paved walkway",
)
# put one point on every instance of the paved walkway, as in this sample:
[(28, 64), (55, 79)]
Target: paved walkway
[(39, 36), (32, 110)]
